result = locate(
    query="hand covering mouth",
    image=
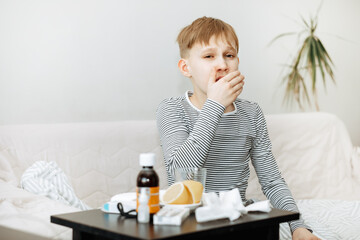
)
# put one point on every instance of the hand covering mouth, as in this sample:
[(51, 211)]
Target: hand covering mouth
[(218, 78)]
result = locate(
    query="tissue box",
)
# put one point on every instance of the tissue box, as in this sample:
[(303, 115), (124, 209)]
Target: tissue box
[(171, 216)]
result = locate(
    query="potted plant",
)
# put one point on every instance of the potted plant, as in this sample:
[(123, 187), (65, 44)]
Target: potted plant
[(311, 59)]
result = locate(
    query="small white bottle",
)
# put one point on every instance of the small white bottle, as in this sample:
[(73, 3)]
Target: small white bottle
[(143, 215)]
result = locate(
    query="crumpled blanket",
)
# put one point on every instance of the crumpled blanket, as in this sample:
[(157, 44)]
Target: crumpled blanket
[(329, 219), (47, 179)]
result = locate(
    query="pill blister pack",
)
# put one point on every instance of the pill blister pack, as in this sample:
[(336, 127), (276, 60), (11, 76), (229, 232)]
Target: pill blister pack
[(171, 216)]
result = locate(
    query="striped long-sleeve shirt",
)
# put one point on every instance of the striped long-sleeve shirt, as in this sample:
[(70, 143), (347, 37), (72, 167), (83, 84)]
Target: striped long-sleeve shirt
[(223, 143)]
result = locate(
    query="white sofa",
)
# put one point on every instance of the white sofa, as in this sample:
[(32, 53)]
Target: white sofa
[(313, 150)]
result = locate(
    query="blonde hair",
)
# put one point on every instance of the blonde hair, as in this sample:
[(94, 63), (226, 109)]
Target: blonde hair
[(201, 30)]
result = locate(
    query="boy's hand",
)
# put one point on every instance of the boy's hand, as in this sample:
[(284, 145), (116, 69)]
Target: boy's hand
[(226, 89), (303, 234)]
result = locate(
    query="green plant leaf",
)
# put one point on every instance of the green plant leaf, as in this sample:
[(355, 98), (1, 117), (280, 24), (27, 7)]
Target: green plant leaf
[(320, 56), (300, 53), (304, 21), (306, 95), (325, 59), (311, 56), (280, 36), (311, 61)]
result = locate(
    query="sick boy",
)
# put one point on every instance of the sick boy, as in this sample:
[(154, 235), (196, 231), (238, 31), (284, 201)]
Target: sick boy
[(210, 127)]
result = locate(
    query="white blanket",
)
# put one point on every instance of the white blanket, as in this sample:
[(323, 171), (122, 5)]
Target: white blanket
[(47, 179), (26, 212)]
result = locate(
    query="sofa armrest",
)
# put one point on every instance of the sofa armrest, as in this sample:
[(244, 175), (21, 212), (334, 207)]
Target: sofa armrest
[(355, 164), (13, 234)]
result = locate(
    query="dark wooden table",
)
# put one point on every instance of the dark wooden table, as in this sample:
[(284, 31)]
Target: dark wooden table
[(95, 224)]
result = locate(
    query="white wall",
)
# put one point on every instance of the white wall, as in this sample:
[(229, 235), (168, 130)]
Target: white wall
[(65, 61)]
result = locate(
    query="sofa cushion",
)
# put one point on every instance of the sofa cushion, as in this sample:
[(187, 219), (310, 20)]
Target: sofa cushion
[(315, 155), (7, 173), (100, 159)]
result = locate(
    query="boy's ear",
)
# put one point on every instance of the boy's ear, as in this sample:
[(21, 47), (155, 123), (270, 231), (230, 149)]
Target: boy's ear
[(184, 68)]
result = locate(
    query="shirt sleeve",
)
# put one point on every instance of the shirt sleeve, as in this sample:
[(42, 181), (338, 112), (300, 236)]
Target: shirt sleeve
[(273, 185), (182, 148)]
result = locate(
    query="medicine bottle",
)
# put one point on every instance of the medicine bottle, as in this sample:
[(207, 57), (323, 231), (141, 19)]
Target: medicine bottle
[(148, 181)]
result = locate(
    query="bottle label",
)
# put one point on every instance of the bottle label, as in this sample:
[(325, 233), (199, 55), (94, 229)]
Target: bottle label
[(154, 202)]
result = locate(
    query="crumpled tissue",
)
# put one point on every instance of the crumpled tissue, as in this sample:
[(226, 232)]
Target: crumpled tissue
[(227, 205), (128, 200)]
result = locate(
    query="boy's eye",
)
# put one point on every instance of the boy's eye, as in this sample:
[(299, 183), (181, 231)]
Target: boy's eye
[(230, 56), (208, 56)]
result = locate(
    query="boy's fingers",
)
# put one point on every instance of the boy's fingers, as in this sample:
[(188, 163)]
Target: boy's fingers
[(237, 80), (212, 78), (238, 86), (230, 76)]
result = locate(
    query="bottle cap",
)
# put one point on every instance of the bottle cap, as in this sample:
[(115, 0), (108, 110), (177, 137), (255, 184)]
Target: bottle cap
[(147, 159)]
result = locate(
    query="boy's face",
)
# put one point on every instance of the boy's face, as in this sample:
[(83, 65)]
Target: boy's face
[(201, 59)]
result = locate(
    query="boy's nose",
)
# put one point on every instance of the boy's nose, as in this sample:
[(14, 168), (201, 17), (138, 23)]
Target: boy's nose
[(221, 65)]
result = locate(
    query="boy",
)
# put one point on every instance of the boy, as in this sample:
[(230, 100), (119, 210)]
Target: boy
[(211, 128)]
